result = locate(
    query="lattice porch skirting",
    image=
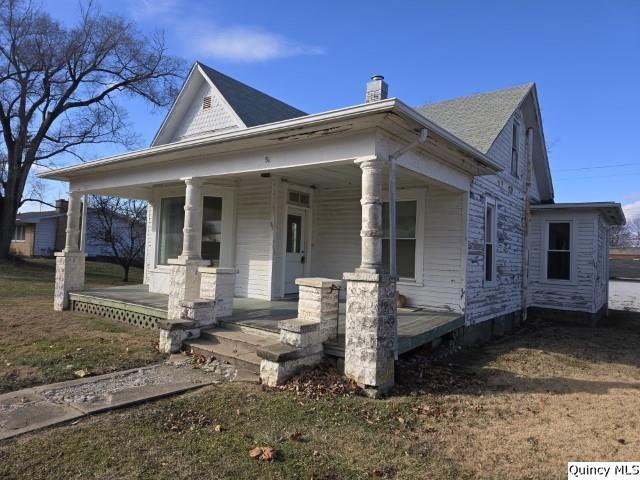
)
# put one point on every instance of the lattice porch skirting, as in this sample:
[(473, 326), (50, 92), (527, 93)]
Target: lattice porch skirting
[(123, 313)]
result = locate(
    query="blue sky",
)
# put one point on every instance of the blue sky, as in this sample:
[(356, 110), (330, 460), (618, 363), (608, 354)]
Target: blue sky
[(583, 55)]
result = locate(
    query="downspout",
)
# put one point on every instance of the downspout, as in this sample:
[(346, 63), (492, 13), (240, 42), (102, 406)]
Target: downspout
[(527, 218), (393, 271)]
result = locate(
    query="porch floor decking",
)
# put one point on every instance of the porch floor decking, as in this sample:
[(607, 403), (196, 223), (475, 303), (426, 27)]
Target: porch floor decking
[(416, 326)]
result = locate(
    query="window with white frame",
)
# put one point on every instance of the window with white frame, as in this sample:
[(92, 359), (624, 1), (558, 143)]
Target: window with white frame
[(490, 242), (18, 234), (171, 223), (515, 136), (559, 251), (409, 211)]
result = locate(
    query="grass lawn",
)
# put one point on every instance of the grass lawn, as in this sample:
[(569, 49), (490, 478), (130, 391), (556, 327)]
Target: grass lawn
[(38, 345), (520, 407)]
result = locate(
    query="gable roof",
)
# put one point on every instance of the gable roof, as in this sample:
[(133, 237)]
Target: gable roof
[(35, 217), (252, 106), (477, 119)]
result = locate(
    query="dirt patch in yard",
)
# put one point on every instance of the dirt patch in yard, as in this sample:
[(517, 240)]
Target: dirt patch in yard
[(38, 345)]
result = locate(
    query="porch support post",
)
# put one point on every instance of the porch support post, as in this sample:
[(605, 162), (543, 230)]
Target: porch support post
[(69, 262), (371, 315), (184, 284)]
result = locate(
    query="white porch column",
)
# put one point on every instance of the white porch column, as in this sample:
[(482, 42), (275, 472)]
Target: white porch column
[(371, 201), (69, 262), (83, 227), (371, 314), (185, 279), (192, 231)]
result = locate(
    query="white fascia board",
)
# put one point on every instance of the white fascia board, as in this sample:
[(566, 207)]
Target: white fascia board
[(599, 206), (348, 113), (176, 102)]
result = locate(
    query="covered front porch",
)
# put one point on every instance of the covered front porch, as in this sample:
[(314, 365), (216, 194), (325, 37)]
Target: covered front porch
[(355, 211), (134, 304)]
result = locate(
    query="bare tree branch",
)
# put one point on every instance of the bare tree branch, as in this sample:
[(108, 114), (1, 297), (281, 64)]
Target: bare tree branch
[(61, 87)]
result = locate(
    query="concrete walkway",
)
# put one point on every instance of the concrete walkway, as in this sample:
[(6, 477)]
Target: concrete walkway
[(38, 407)]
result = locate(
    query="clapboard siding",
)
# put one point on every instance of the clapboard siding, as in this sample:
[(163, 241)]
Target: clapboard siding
[(336, 244), (484, 302), (577, 294), (45, 237), (148, 244), (254, 239), (601, 260)]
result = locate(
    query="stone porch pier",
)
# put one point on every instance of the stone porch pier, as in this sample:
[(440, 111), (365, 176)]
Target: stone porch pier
[(70, 261), (371, 314)]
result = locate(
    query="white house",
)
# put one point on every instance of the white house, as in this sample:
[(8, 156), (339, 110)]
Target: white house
[(253, 199)]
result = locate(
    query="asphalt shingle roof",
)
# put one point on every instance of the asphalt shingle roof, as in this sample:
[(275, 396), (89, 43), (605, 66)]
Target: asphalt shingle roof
[(477, 119), (251, 105), (34, 217)]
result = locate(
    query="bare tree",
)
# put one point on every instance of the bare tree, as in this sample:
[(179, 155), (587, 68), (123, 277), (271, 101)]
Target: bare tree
[(120, 225), (626, 235), (60, 87)]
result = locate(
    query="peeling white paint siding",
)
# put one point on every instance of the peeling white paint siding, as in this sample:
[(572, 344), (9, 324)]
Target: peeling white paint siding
[(601, 293), (254, 239), (484, 302), (579, 293), (624, 295), (337, 243)]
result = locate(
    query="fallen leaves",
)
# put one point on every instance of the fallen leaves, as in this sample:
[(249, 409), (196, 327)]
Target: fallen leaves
[(320, 381), (266, 454)]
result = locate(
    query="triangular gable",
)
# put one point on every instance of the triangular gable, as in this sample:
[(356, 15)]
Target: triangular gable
[(211, 102), (479, 120)]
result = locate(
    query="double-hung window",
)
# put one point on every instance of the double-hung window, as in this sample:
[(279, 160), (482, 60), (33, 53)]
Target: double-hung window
[(490, 242), (405, 238), (515, 137), (559, 251), (171, 223), (18, 234)]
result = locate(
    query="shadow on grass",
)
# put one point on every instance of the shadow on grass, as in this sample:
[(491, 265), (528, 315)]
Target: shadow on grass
[(539, 358)]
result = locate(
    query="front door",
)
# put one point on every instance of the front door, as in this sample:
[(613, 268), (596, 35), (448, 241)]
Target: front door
[(294, 261)]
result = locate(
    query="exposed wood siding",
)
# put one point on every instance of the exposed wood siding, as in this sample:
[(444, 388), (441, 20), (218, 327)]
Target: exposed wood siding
[(503, 296), (254, 239), (577, 294), (336, 244), (601, 255)]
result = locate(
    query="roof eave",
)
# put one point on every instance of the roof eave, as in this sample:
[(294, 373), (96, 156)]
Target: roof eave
[(357, 111)]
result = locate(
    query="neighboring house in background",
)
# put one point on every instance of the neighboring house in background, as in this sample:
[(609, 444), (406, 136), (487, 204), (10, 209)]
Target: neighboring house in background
[(41, 234), (273, 198)]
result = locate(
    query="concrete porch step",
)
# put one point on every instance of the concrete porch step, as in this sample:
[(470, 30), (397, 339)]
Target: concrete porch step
[(236, 347), (210, 349)]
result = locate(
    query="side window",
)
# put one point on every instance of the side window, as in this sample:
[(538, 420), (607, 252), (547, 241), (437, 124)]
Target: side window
[(489, 242), (559, 251), (515, 137)]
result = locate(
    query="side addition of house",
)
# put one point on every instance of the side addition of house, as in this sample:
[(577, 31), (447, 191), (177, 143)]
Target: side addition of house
[(357, 234)]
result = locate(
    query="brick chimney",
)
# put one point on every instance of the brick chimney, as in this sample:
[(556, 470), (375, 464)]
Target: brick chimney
[(377, 89), (62, 205)]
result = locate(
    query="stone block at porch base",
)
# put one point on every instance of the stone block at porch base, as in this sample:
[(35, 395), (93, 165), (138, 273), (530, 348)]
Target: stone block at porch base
[(69, 277), (280, 362), (174, 332), (300, 346), (217, 283)]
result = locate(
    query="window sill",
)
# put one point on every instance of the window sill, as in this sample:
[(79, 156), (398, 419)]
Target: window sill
[(17, 241), (409, 283)]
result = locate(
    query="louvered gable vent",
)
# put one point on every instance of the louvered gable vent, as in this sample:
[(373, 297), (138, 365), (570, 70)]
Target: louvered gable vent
[(206, 102)]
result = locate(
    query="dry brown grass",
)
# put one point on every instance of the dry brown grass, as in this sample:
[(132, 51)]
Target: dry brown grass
[(520, 407), (38, 345)]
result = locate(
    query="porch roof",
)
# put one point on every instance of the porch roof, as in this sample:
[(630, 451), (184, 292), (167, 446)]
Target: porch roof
[(390, 112)]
